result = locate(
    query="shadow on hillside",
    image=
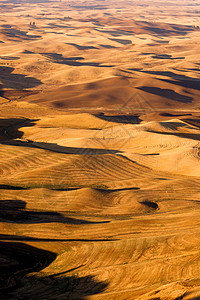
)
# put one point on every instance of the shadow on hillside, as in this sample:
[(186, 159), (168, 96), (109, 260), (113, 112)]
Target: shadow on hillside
[(124, 189), (9, 57), (169, 32), (19, 34), (122, 119), (161, 42), (6, 237), (144, 53), (16, 81), (71, 150), (89, 6), (11, 187), (187, 82), (193, 122), (14, 211), (115, 33), (174, 115), (53, 25), (107, 46), (174, 125), (79, 47), (11, 135), (121, 41), (167, 74), (28, 52), (19, 260), (72, 61), (167, 93), (9, 128), (191, 136), (193, 69), (166, 56)]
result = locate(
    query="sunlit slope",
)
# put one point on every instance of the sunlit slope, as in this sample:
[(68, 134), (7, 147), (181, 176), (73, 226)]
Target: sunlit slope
[(143, 90), (171, 146), (114, 169)]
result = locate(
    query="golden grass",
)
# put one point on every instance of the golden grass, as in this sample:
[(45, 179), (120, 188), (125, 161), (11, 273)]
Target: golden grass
[(99, 149)]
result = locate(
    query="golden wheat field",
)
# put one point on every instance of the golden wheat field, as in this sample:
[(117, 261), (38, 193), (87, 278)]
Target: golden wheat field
[(99, 150)]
